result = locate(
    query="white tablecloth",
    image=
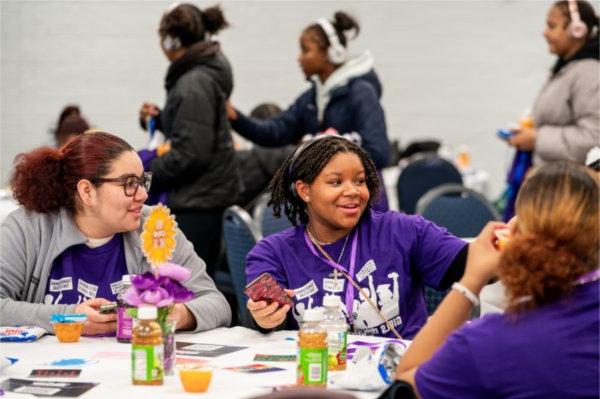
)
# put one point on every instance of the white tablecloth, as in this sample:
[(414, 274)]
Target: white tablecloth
[(111, 365)]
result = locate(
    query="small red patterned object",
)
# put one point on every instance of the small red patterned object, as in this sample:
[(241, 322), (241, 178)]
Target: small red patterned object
[(266, 288)]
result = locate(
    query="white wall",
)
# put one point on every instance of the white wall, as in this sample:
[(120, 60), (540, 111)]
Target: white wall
[(452, 70)]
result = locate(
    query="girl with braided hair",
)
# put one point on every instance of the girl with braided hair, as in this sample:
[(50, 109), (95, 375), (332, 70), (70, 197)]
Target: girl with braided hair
[(547, 343), (377, 263)]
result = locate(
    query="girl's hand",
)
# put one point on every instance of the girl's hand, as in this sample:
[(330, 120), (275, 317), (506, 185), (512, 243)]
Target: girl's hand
[(483, 258), (147, 110), (268, 316), (231, 112), (523, 139)]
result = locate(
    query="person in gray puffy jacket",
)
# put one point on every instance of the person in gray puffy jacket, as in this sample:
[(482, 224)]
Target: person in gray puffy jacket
[(78, 232), (566, 113)]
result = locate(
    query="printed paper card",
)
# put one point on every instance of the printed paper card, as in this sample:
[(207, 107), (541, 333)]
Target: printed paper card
[(205, 350)]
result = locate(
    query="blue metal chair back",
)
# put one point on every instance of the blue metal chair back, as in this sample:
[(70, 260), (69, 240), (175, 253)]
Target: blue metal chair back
[(423, 173), (433, 298), (264, 219), (462, 211), (240, 235)]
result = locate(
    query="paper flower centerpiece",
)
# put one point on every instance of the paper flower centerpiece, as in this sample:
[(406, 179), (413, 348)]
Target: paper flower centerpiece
[(161, 289), (158, 236)]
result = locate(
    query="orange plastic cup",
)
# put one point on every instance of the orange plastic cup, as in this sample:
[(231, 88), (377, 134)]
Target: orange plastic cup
[(68, 332), (195, 378)]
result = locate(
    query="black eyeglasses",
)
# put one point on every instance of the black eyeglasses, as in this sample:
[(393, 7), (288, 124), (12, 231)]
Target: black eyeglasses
[(130, 183)]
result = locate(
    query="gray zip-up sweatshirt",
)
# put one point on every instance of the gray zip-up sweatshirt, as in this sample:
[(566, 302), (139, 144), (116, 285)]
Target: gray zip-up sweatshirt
[(30, 242)]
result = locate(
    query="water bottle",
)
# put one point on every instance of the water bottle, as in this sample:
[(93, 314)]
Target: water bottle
[(337, 333)]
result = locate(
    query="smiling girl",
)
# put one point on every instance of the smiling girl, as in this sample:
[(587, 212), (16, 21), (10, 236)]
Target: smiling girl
[(77, 233), (377, 263)]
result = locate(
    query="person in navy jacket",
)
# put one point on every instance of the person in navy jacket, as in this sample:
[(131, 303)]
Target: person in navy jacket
[(344, 97)]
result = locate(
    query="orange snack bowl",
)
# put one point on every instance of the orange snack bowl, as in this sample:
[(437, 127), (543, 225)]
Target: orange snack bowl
[(68, 332), (195, 378)]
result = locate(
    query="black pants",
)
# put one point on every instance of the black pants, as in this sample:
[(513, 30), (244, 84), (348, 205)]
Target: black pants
[(204, 230)]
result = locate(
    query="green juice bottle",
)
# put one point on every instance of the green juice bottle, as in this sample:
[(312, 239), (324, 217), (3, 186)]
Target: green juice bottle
[(312, 350), (147, 349)]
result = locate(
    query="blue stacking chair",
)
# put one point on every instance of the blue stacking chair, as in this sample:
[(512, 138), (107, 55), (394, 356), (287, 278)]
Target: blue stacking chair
[(240, 235), (462, 211), (264, 219), (422, 173), (433, 298)]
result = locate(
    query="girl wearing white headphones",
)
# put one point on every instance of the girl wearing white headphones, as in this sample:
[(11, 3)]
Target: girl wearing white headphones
[(566, 113), (344, 96)]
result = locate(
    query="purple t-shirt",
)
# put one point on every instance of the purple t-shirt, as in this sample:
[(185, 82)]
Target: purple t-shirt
[(81, 273), (550, 352), (395, 256)]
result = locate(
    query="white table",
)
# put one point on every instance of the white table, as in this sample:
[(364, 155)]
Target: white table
[(113, 369)]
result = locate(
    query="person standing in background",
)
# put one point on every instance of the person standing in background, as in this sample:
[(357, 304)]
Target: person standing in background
[(70, 124), (344, 97), (566, 114), (199, 170)]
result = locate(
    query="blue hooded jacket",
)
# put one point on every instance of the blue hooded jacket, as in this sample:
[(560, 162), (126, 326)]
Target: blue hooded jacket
[(348, 102)]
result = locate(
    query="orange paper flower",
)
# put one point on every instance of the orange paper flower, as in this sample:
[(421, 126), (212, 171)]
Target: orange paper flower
[(158, 236)]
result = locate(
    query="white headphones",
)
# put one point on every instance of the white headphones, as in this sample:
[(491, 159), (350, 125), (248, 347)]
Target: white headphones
[(577, 29), (336, 53), (171, 43)]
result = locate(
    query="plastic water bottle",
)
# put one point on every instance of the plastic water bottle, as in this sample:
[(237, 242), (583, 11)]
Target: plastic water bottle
[(312, 350), (124, 321), (337, 333)]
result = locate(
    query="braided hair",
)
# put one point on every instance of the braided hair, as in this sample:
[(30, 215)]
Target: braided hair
[(306, 164)]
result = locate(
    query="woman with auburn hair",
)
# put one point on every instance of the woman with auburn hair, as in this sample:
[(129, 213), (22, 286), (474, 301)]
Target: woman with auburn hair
[(547, 343), (77, 233)]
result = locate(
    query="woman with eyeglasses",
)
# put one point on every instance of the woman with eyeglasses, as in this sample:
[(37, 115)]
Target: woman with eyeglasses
[(77, 233)]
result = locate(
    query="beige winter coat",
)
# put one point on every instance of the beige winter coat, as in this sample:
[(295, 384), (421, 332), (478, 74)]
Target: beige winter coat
[(567, 113)]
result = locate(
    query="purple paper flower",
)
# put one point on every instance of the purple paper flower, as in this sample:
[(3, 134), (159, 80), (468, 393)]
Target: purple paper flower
[(173, 271), (161, 290)]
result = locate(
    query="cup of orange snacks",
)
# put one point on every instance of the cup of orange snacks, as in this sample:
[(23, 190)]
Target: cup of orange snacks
[(195, 378), (68, 327), (502, 238)]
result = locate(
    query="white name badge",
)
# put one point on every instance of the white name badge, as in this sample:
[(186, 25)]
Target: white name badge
[(86, 289), (367, 269), (333, 285), (64, 284), (306, 290), (116, 287)]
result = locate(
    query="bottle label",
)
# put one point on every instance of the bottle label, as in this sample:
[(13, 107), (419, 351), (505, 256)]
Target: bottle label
[(336, 348), (312, 366), (124, 323), (147, 362)]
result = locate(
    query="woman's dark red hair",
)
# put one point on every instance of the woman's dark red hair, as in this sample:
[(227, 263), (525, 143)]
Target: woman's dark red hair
[(45, 179)]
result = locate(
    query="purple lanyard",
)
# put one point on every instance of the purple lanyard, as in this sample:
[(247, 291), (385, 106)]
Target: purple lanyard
[(588, 277), (349, 287)]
